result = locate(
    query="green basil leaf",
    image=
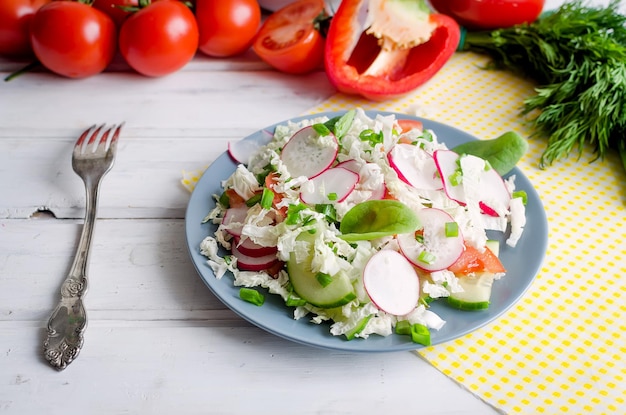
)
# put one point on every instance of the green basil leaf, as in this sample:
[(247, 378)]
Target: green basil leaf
[(340, 125), (377, 218), (502, 153)]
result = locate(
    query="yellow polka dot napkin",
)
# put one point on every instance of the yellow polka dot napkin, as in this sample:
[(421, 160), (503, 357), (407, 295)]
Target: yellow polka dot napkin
[(561, 349)]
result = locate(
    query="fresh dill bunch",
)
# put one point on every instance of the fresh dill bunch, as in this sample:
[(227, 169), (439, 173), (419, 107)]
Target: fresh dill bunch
[(577, 55)]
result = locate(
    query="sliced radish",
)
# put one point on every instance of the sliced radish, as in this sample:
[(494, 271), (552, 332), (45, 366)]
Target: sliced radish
[(332, 186), (242, 150), (251, 263), (446, 162), (308, 154), (492, 194), (495, 196), (234, 218), (351, 165), (250, 248), (415, 166), (379, 193), (391, 282), (435, 250)]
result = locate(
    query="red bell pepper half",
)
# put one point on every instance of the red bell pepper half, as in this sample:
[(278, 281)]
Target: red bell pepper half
[(382, 49)]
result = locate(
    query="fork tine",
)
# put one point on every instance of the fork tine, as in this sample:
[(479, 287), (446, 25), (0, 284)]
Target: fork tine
[(95, 133), (83, 136), (103, 140), (113, 144)]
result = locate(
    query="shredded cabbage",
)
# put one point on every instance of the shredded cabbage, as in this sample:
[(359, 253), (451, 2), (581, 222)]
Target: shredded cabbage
[(273, 228)]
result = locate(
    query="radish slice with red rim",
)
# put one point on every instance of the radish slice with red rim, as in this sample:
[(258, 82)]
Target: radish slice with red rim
[(495, 196), (250, 248), (415, 166), (332, 186), (432, 248), (391, 282), (234, 218), (308, 154), (354, 166), (241, 151), (447, 166), (252, 263)]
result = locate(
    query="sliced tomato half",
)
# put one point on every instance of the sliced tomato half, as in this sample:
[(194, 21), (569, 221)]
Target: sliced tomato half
[(289, 40)]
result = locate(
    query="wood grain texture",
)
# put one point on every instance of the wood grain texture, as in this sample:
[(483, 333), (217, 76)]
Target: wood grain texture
[(158, 341)]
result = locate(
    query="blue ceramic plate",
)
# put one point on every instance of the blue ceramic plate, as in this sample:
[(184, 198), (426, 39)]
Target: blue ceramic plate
[(522, 263)]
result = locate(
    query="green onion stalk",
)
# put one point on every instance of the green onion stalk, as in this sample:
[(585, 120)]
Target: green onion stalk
[(577, 55)]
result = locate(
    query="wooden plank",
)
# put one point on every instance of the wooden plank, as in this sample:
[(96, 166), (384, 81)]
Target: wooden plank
[(228, 370)]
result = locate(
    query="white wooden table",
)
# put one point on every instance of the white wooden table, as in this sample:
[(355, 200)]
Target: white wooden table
[(158, 341)]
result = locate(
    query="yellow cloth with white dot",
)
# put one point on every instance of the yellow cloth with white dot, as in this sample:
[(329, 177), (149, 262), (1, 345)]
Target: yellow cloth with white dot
[(562, 347)]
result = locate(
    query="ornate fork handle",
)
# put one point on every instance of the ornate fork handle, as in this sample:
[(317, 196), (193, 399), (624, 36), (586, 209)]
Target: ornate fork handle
[(68, 321)]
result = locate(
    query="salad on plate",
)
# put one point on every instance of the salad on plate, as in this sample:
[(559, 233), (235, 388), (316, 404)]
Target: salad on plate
[(363, 222)]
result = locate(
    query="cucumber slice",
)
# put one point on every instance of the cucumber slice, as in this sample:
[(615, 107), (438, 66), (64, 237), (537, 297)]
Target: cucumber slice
[(494, 246), (305, 283), (476, 294)]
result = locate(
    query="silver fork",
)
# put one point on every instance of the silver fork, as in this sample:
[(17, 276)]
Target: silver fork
[(92, 158)]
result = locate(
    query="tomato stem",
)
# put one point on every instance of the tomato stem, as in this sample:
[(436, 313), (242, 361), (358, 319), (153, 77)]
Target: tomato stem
[(31, 66)]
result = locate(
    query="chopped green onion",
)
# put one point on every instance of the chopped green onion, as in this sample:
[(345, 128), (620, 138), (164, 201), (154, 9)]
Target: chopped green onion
[(252, 296), (522, 194), (267, 199), (308, 220), (403, 327), (266, 171), (419, 238), (328, 210), (253, 200), (426, 300), (228, 259), (427, 135), (420, 334), (321, 129), (487, 166), (293, 301), (371, 136), (456, 178), (332, 196), (426, 257), (351, 334), (293, 213), (224, 200), (323, 278), (452, 229)]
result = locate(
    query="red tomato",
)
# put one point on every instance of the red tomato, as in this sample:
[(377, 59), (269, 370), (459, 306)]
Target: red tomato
[(472, 260), (113, 9), (227, 28), (408, 125), (160, 38), (288, 39), (490, 14), (15, 17), (73, 39)]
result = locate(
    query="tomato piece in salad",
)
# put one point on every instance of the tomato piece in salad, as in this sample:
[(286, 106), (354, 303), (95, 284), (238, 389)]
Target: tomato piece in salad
[(270, 182), (234, 200), (407, 125), (472, 260)]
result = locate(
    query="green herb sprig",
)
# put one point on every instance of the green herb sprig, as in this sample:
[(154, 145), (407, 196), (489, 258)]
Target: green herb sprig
[(577, 54)]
